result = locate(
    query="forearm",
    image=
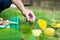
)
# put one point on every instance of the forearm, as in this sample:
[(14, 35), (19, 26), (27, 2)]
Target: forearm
[(27, 13), (19, 4)]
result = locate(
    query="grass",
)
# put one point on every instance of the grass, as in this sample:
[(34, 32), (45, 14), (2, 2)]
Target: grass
[(26, 27), (9, 34)]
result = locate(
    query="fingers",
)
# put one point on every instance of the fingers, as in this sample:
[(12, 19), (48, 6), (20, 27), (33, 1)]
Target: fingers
[(33, 18), (27, 17)]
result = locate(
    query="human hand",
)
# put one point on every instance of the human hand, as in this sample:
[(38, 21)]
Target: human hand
[(29, 15)]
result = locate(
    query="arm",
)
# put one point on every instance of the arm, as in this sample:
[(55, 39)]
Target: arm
[(19, 4), (28, 13)]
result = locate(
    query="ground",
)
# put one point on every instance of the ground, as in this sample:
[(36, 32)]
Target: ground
[(26, 27)]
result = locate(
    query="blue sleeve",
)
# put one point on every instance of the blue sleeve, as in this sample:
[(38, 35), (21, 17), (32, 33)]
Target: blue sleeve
[(4, 4), (7, 3)]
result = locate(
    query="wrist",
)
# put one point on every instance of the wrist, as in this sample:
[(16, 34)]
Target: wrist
[(24, 11)]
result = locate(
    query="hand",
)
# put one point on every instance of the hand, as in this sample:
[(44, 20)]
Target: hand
[(29, 15)]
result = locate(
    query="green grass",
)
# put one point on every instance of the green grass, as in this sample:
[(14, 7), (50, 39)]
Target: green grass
[(26, 27), (9, 34)]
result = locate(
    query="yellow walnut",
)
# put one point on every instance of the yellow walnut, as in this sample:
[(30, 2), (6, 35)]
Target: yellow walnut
[(42, 24), (54, 25), (37, 32), (49, 32)]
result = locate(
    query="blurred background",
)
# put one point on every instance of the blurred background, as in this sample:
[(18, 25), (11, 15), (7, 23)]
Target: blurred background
[(45, 4)]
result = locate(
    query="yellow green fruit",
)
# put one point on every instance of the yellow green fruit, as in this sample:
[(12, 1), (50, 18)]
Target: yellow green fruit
[(42, 24), (37, 32), (54, 25), (49, 32)]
